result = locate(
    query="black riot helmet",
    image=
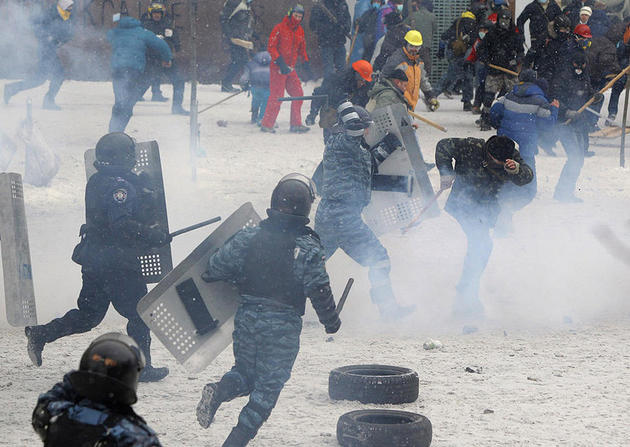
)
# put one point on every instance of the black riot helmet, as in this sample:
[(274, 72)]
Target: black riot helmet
[(293, 195), (562, 22), (109, 370), (116, 149), (504, 19)]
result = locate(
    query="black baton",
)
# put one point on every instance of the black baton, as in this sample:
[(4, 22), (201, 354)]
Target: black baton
[(194, 227), (344, 295)]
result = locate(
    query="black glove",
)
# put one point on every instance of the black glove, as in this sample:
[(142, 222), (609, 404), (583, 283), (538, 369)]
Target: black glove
[(598, 97), (284, 68), (392, 142), (310, 119), (40, 420), (158, 238), (333, 327)]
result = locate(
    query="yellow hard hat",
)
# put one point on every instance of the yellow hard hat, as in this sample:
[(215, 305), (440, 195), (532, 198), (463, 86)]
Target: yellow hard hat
[(468, 15), (414, 38)]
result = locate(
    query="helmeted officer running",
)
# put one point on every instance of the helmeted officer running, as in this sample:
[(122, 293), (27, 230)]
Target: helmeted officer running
[(120, 225)]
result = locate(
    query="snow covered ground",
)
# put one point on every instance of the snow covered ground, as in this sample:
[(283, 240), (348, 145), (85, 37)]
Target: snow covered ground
[(554, 352)]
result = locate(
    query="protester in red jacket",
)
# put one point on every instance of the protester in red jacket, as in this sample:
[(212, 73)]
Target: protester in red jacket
[(286, 45)]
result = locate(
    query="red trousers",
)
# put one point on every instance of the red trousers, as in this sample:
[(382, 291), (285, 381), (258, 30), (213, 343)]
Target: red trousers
[(277, 83)]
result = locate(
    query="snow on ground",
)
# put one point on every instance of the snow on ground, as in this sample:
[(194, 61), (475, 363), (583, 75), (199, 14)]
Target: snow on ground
[(554, 349)]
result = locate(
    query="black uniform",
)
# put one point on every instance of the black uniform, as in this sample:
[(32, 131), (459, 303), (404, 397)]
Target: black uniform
[(164, 30), (331, 33), (539, 19), (118, 228), (236, 22)]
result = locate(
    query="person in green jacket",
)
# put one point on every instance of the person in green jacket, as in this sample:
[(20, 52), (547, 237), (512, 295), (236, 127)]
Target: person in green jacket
[(389, 90)]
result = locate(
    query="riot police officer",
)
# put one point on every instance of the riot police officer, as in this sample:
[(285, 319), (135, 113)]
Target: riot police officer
[(120, 225), (92, 406), (160, 23)]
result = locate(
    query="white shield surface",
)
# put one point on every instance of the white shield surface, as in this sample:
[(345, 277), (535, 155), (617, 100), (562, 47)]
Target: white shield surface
[(155, 263), (19, 295), (164, 311), (389, 211)]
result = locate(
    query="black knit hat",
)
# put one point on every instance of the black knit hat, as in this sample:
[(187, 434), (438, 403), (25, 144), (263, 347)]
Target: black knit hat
[(354, 119), (398, 74), (500, 147)]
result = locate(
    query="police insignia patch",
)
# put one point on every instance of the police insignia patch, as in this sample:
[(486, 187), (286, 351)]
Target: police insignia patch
[(120, 195)]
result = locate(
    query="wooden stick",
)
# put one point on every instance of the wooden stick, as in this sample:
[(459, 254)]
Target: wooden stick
[(429, 204), (602, 91), (428, 121), (504, 70), (354, 40)]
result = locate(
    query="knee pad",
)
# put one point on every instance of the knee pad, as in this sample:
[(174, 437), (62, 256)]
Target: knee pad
[(263, 412)]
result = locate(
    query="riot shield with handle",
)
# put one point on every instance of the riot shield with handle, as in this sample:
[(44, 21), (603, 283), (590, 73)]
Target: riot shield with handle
[(157, 262), (395, 208), (19, 294), (193, 319)]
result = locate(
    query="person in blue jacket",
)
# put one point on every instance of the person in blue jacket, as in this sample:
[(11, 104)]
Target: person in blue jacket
[(130, 43), (52, 28), (520, 115)]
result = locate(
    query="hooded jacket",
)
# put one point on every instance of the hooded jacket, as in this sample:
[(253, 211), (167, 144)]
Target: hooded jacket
[(602, 58), (130, 42), (539, 20), (384, 94), (414, 69), (257, 70), (521, 113), (287, 40), (501, 47), (552, 56)]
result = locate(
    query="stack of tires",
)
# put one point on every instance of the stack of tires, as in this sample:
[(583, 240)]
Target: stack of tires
[(379, 384)]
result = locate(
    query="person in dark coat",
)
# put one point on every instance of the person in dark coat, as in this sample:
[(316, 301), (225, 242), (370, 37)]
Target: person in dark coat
[(131, 44), (556, 49), (236, 23), (92, 405), (160, 23), (345, 191), (120, 226), (481, 169), (370, 27), (621, 35), (539, 13), (519, 115), (394, 39), (256, 77), (276, 266), (503, 47), (602, 62), (599, 22), (52, 27), (456, 42), (331, 32), (572, 88)]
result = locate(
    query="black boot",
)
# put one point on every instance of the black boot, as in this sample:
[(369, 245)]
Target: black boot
[(239, 437), (49, 103), (208, 405), (484, 124), (467, 107), (35, 344), (151, 374), (179, 110)]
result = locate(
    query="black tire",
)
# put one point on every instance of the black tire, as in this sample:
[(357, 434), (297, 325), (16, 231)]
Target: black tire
[(373, 384), (379, 428)]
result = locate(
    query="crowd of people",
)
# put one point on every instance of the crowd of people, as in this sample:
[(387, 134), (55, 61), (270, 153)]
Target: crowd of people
[(533, 95)]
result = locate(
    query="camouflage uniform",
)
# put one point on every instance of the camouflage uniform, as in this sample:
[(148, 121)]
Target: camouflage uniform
[(75, 420), (346, 190), (267, 326), (473, 202)]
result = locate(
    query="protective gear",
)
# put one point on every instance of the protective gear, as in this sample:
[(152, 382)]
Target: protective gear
[(310, 119), (333, 328), (109, 370), (294, 194), (500, 147), (504, 19), (561, 22), (116, 149), (364, 69), (414, 38), (354, 119), (156, 7), (297, 8), (434, 104), (583, 31), (468, 15)]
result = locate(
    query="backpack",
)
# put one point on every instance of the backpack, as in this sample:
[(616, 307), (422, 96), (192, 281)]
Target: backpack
[(459, 46)]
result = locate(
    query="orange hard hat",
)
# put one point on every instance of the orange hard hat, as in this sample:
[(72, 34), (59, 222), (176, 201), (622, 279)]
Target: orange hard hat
[(583, 30), (364, 68)]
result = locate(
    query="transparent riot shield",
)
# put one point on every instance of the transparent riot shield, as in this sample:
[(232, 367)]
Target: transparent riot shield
[(19, 294), (392, 210), (155, 263), (192, 318)]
